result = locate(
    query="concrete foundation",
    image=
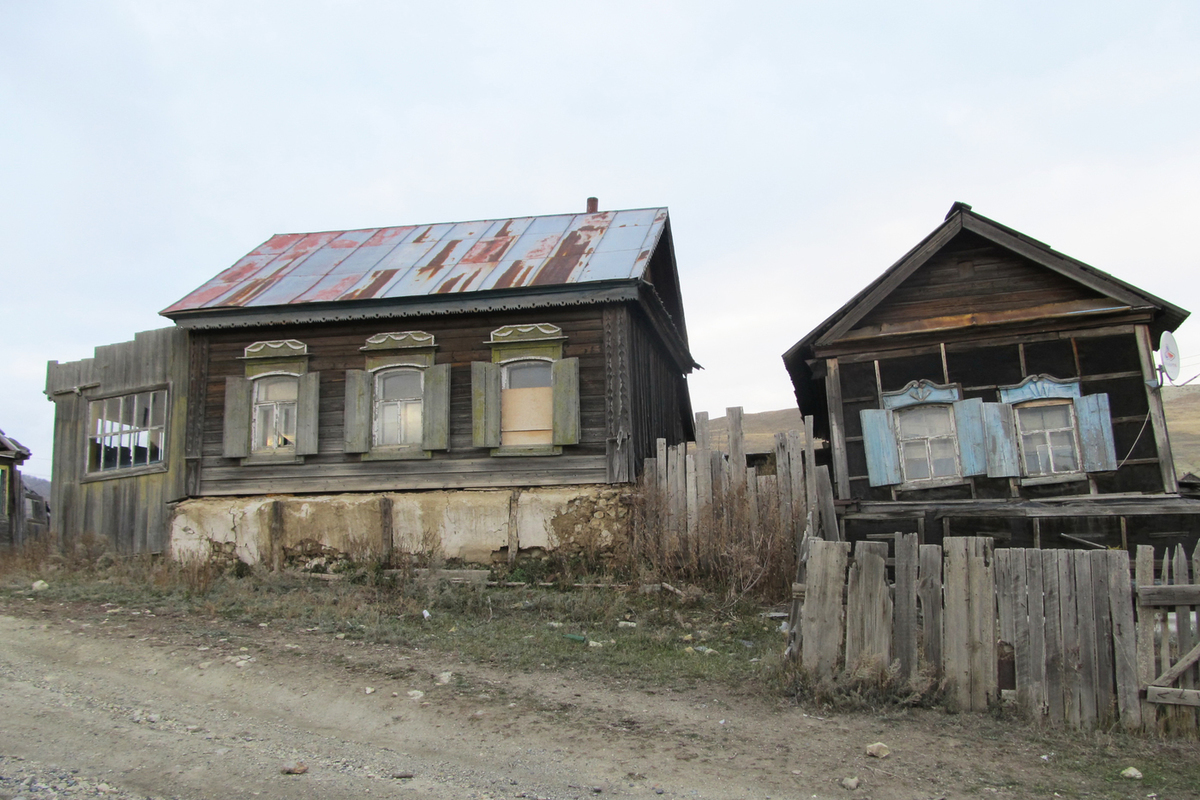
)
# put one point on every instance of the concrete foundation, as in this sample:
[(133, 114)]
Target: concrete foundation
[(480, 526)]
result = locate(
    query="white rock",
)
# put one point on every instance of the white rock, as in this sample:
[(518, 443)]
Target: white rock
[(1132, 773), (40, 586), (850, 783), (415, 694), (626, 624), (878, 750), (445, 677), (369, 690)]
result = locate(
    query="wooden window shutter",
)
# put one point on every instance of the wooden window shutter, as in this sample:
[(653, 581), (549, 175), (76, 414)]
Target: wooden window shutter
[(435, 411), (879, 439), (236, 436), (565, 380), (1003, 459), (972, 441), (307, 413), (485, 404), (357, 422), (1095, 433)]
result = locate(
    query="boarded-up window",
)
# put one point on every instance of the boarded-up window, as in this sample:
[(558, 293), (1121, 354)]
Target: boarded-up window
[(526, 404)]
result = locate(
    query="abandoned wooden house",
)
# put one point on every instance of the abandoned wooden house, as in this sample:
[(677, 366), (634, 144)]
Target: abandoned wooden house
[(481, 387), (23, 512), (986, 384)]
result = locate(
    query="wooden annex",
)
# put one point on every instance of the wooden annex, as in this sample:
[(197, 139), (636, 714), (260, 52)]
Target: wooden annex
[(525, 352), (987, 385), (23, 512)]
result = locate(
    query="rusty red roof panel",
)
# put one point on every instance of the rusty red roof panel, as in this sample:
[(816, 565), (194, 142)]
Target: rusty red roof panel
[(415, 260)]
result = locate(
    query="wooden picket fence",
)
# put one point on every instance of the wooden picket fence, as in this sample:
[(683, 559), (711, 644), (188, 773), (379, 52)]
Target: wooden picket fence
[(1073, 639)]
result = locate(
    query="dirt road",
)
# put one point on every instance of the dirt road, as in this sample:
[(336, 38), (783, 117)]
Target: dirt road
[(193, 708)]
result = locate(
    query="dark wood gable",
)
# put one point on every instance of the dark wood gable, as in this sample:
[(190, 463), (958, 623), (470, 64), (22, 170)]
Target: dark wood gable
[(972, 277)]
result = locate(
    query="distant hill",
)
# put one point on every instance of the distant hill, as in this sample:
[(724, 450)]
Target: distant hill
[(39, 485), (1182, 407), (757, 429)]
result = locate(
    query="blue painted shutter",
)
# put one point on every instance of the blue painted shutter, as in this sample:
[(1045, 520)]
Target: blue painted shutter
[(1003, 460), (879, 439), (1095, 433), (972, 441)]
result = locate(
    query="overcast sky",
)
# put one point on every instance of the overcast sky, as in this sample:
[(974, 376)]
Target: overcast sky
[(801, 148)]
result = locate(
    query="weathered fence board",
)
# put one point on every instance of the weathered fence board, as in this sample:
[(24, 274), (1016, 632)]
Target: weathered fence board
[(868, 611), (823, 617)]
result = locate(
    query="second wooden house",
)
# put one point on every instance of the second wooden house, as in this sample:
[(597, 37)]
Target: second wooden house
[(987, 384)]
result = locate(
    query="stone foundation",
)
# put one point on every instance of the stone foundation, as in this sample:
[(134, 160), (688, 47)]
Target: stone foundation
[(474, 526)]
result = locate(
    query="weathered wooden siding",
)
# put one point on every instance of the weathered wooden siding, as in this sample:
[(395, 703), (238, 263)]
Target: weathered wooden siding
[(1105, 360), (462, 339), (129, 511), (659, 401), (972, 275)]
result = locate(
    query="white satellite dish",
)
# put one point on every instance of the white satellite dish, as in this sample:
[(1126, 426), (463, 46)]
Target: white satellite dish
[(1168, 355)]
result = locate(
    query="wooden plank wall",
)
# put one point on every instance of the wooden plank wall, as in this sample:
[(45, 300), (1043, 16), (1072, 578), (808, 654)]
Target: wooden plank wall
[(130, 512), (629, 396)]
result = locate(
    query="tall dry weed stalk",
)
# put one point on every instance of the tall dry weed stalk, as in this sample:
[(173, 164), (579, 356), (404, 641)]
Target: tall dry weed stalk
[(729, 548)]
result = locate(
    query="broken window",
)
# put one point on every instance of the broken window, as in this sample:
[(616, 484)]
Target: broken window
[(1047, 432), (275, 413), (127, 431), (928, 447)]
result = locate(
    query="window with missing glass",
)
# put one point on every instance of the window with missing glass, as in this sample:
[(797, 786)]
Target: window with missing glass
[(928, 446), (1048, 440), (127, 431), (274, 417)]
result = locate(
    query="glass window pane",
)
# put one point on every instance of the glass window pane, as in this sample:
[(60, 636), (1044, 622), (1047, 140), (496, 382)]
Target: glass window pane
[(945, 462), (1033, 446), (400, 385), (924, 421), (1041, 418), (264, 427), (389, 424), (412, 422), (1062, 450), (528, 375), (916, 461), (276, 389)]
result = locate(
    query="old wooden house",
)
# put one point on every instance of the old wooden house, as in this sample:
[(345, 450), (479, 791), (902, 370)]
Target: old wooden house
[(480, 387), (987, 384), (23, 512)]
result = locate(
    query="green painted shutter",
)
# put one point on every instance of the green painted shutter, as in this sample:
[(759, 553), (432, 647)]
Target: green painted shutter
[(435, 410), (1095, 433), (1003, 459), (972, 441), (485, 404), (565, 380), (357, 422), (879, 439), (307, 413), (236, 436)]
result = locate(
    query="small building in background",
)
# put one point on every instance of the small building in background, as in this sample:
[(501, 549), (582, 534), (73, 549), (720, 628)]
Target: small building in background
[(986, 384), (478, 388), (24, 513)]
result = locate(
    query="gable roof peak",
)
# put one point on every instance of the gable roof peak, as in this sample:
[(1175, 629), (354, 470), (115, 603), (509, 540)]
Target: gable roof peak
[(957, 207)]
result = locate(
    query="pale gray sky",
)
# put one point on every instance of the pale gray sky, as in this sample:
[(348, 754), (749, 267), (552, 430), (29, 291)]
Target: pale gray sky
[(801, 148)]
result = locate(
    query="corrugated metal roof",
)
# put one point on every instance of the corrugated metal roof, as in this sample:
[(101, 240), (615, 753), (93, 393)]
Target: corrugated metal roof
[(415, 260)]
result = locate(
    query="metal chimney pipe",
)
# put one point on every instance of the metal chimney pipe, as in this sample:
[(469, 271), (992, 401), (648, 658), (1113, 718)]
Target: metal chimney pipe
[(593, 205)]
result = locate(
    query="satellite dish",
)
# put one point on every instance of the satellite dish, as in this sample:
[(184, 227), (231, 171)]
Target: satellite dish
[(1168, 355)]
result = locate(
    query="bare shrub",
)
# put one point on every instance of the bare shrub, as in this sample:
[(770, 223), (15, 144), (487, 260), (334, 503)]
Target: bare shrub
[(737, 545)]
